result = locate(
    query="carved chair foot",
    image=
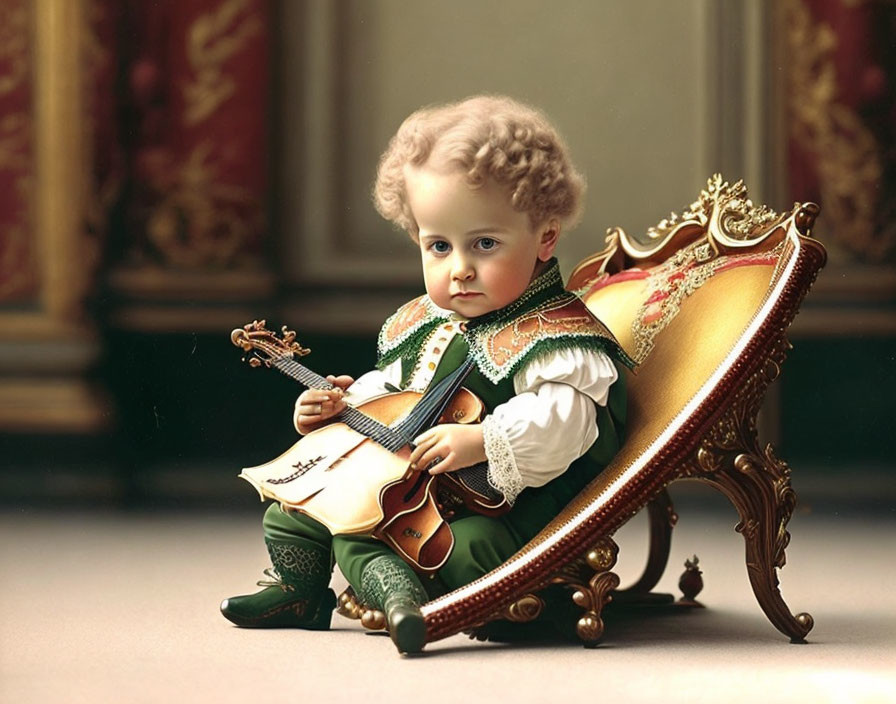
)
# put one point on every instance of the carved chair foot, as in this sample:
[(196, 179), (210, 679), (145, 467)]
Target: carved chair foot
[(349, 606), (758, 484), (593, 582)]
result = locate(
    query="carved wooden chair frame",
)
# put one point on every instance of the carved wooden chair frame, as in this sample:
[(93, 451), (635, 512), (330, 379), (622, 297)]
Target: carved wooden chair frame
[(709, 435)]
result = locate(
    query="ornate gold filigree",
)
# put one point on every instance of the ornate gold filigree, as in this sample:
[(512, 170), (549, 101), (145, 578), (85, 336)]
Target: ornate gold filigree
[(350, 607), (729, 204), (199, 220), (848, 157), (13, 46), (592, 583), (526, 608), (17, 273), (212, 40), (672, 282)]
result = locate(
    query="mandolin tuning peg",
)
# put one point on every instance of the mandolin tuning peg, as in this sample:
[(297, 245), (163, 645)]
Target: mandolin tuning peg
[(255, 362)]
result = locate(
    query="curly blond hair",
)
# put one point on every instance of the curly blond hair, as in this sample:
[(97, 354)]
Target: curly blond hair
[(486, 137)]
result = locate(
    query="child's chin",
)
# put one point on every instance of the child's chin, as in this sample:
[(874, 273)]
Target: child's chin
[(472, 308)]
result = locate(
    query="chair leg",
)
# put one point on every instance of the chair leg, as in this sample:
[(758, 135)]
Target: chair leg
[(592, 582), (758, 484), (663, 518)]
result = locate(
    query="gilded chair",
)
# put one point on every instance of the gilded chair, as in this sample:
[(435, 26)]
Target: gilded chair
[(704, 309)]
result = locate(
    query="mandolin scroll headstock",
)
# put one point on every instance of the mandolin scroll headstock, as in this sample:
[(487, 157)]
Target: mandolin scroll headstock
[(263, 346)]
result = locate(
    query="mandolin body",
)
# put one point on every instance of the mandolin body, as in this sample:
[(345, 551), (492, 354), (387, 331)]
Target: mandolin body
[(354, 486)]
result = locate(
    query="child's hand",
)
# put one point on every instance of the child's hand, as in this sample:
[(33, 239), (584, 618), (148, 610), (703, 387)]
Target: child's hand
[(315, 406), (448, 447)]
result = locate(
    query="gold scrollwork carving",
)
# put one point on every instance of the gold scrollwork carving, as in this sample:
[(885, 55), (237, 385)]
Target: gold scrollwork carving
[(727, 203), (848, 157), (730, 220), (213, 39), (592, 582), (350, 607), (199, 220), (13, 46), (525, 609)]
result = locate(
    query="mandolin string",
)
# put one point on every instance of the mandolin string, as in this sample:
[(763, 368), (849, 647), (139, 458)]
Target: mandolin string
[(433, 403), (352, 417), (394, 440)]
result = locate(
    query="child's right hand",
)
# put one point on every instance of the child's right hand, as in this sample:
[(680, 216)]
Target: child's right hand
[(314, 406)]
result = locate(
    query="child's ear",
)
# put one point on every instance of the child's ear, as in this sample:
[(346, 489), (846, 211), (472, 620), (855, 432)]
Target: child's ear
[(547, 239)]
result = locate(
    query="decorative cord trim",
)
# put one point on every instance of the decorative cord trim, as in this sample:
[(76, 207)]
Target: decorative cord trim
[(503, 474), (297, 567)]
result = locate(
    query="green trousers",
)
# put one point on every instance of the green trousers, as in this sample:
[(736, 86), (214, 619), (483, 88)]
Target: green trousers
[(481, 544)]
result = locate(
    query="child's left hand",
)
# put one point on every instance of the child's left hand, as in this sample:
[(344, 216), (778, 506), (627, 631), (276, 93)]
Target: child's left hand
[(448, 447)]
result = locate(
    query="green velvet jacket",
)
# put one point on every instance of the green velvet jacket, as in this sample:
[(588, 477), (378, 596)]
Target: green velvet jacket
[(546, 317)]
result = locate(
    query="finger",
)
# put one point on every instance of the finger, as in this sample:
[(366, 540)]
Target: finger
[(427, 437), (313, 396), (432, 456), (445, 465), (343, 381), (311, 399), (331, 408), (312, 408), (421, 447)]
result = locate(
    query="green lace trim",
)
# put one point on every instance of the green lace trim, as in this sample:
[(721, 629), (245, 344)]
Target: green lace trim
[(547, 289), (479, 337), (412, 339), (387, 582)]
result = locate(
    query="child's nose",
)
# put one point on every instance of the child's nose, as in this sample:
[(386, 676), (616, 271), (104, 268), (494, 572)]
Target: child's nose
[(461, 268)]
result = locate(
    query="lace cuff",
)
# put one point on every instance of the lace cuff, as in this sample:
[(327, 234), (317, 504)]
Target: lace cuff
[(503, 473)]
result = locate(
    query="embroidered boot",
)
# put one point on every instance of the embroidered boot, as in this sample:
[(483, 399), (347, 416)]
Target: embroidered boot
[(295, 596), (388, 584)]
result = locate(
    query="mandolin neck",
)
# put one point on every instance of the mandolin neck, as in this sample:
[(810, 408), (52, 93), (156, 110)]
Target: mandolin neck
[(352, 417)]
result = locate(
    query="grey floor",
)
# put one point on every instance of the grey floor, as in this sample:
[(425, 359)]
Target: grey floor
[(122, 607)]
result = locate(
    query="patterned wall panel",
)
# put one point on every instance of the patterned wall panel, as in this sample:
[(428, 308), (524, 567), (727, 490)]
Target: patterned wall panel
[(841, 65), (191, 250), (48, 254), (18, 274), (839, 83)]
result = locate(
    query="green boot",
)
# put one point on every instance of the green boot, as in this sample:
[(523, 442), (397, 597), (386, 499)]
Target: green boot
[(295, 596), (388, 584)]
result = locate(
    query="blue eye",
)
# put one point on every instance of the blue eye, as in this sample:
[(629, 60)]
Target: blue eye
[(486, 243), (440, 247)]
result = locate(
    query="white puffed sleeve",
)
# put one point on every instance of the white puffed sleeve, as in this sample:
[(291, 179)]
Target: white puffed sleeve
[(551, 421), (367, 386)]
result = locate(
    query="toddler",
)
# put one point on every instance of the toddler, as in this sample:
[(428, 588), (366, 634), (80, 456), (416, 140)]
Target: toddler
[(484, 187)]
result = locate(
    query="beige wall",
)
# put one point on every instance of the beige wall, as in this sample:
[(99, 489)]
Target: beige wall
[(634, 87)]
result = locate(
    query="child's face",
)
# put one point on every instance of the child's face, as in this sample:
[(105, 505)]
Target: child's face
[(479, 254)]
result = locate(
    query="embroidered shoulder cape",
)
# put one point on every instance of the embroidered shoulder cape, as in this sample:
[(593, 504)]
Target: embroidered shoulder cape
[(546, 317)]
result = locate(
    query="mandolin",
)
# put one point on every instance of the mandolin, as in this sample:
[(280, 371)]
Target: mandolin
[(352, 474)]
